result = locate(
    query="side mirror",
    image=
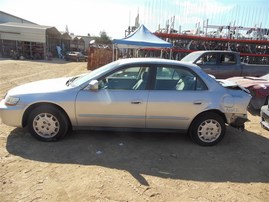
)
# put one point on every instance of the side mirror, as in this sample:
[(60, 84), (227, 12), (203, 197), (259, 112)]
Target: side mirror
[(94, 85)]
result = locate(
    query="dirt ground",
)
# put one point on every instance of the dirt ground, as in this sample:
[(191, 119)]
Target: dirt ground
[(110, 166)]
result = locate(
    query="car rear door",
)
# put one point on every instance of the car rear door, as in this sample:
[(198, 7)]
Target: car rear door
[(178, 95)]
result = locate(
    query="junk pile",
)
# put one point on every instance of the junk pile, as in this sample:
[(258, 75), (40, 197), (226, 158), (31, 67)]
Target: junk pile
[(98, 56)]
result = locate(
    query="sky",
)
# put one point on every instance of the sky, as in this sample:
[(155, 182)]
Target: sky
[(83, 17)]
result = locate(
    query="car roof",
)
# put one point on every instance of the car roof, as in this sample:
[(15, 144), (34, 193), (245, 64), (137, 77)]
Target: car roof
[(155, 61), (213, 51), (194, 67)]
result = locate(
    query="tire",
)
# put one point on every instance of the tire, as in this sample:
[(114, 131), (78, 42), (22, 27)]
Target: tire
[(47, 123), (207, 129)]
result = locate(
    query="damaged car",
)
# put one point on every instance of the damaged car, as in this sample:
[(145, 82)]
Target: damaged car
[(139, 94), (258, 87)]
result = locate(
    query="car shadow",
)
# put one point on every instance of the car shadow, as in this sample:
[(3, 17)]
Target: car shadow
[(240, 157), (254, 112)]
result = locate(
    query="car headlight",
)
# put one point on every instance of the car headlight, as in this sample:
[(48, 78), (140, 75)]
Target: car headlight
[(11, 101)]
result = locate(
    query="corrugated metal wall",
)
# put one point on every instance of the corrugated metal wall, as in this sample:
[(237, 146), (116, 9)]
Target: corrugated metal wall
[(23, 32), (32, 41)]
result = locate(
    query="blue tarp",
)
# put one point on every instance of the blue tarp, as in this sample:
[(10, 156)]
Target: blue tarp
[(142, 38)]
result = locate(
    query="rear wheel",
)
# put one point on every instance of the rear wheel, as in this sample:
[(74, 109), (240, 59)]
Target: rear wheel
[(47, 123), (207, 129)]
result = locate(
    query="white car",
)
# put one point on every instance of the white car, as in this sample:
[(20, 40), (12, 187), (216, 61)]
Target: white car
[(265, 116), (135, 94)]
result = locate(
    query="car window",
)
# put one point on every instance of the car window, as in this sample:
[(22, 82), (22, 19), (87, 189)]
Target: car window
[(227, 58), (130, 78), (131, 72), (167, 73), (180, 79)]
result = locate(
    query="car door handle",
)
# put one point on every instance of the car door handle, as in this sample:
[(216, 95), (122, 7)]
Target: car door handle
[(136, 102), (198, 102)]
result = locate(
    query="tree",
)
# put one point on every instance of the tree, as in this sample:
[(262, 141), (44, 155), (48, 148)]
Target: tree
[(103, 38)]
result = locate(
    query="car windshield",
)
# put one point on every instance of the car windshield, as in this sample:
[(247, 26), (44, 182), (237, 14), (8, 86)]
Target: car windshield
[(87, 77), (191, 57)]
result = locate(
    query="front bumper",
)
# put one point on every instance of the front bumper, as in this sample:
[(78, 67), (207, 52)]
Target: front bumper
[(265, 117), (11, 115)]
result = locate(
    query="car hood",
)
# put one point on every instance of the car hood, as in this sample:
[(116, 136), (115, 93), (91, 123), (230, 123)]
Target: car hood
[(43, 86), (248, 81)]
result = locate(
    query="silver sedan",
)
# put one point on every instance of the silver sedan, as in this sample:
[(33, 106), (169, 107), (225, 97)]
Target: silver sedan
[(142, 94)]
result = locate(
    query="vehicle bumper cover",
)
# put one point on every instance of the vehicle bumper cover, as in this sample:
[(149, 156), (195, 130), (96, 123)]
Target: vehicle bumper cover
[(237, 121), (265, 117), (11, 115)]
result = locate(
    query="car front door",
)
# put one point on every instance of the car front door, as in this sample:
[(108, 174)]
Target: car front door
[(176, 98), (209, 63), (120, 101)]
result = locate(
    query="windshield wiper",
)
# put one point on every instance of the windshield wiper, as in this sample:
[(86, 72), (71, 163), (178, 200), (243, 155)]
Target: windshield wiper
[(69, 81)]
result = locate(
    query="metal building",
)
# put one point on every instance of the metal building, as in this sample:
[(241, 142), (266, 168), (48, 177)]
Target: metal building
[(32, 41)]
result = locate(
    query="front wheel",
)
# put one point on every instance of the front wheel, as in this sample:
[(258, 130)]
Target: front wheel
[(207, 129), (47, 123)]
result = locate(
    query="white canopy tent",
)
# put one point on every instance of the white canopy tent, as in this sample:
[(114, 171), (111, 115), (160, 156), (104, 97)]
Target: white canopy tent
[(141, 38)]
